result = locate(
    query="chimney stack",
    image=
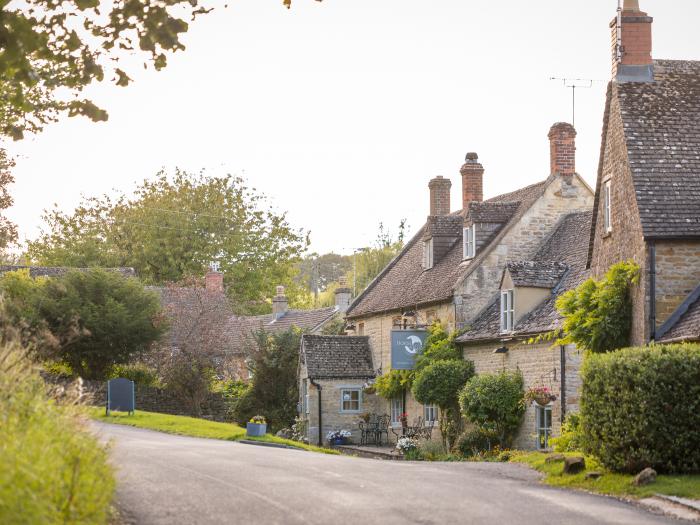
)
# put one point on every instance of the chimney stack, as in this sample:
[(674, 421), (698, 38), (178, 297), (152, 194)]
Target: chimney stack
[(343, 296), (279, 303), (632, 44), (439, 196), (472, 180), (562, 148), (214, 281)]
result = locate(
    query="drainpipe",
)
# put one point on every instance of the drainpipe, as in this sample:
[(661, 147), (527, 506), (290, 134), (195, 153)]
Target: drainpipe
[(652, 289), (320, 413), (562, 357)]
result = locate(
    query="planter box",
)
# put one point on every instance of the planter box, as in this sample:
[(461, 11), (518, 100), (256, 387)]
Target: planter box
[(255, 429)]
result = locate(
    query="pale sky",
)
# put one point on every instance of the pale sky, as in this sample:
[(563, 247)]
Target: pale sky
[(341, 112)]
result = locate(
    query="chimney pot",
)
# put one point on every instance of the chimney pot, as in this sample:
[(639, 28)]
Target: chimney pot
[(562, 147), (343, 295), (440, 196), (472, 180), (632, 44), (279, 303), (214, 281)]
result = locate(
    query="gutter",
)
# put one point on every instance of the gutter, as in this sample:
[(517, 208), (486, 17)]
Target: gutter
[(320, 413)]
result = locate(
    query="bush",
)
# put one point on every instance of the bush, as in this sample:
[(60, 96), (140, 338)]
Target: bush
[(439, 383), (640, 407), (51, 469), (494, 402), (138, 373), (476, 441), (571, 438)]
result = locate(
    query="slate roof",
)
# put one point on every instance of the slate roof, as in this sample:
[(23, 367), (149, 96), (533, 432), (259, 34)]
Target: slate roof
[(661, 122), (336, 357), (444, 226), (565, 249), (684, 324), (491, 212), (537, 274), (405, 284), (57, 271)]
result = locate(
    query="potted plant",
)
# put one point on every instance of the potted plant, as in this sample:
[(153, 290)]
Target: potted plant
[(256, 427), (338, 437), (407, 446), (541, 395)]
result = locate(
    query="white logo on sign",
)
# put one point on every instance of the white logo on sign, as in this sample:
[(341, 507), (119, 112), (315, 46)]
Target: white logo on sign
[(415, 345)]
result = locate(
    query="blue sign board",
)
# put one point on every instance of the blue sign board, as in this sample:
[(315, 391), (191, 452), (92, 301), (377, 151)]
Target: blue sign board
[(120, 395), (406, 345)]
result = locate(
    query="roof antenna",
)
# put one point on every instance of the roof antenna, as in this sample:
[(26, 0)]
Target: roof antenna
[(574, 84)]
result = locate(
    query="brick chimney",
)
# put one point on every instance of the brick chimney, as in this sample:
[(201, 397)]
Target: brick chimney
[(631, 44), (343, 296), (562, 149), (440, 196), (472, 180), (214, 281), (279, 303)]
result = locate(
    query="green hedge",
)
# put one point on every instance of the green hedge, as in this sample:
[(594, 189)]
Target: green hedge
[(640, 407), (52, 470)]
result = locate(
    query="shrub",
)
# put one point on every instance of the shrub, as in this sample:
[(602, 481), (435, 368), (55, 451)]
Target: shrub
[(432, 450), (439, 383), (494, 402), (640, 407), (598, 314), (53, 470), (393, 383), (138, 373), (571, 439), (476, 441)]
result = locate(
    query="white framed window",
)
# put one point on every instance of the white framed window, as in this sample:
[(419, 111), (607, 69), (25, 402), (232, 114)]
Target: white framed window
[(305, 396), (469, 237), (396, 410), (430, 413), (543, 421), (607, 206), (507, 310), (350, 399), (428, 254)]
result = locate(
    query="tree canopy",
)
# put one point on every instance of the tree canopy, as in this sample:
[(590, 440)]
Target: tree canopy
[(8, 231), (175, 227)]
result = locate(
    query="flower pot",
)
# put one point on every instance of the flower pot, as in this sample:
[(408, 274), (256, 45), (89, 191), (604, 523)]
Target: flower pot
[(338, 441), (256, 429)]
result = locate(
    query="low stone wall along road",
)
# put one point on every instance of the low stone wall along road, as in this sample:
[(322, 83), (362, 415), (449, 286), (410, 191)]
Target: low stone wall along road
[(166, 479)]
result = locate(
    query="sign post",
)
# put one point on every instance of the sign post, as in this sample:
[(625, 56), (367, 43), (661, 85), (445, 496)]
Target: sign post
[(121, 395), (406, 346)]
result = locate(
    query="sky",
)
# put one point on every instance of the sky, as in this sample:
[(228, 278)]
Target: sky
[(342, 111)]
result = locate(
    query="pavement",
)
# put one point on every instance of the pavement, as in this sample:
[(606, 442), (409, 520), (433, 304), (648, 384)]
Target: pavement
[(167, 479)]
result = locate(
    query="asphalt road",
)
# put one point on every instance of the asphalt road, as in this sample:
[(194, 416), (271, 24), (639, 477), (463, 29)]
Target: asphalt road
[(165, 479)]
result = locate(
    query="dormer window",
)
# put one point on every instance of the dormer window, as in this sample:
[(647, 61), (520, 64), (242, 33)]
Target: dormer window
[(607, 207), (469, 237), (428, 254), (507, 310)]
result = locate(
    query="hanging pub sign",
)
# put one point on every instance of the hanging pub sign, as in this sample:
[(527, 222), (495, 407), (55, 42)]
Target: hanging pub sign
[(406, 346)]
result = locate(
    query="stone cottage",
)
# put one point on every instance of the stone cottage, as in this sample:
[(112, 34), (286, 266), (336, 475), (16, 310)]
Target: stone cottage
[(453, 267), (647, 202)]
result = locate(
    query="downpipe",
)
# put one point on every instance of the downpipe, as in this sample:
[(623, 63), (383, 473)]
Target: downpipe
[(320, 413)]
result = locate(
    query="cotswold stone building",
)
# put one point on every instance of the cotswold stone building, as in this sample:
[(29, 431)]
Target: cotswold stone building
[(647, 203), (453, 267)]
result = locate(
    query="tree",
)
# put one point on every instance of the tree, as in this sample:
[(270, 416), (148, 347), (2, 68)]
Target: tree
[(8, 231), (495, 403), (175, 227), (598, 314), (273, 361), (101, 318)]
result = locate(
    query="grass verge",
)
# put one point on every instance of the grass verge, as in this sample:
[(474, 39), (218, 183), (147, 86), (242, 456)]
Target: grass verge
[(190, 426), (685, 486)]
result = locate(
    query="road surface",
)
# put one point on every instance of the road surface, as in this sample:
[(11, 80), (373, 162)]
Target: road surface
[(166, 479)]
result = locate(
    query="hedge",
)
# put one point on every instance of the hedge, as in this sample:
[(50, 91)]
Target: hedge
[(640, 407)]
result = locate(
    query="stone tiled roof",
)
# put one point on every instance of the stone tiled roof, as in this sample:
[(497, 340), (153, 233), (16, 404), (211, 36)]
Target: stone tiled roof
[(404, 283), (57, 271), (684, 324), (444, 226), (537, 274), (337, 357), (566, 248), (661, 122), (491, 212)]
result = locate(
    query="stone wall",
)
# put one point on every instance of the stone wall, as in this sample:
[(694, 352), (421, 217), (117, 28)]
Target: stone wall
[(151, 399), (677, 275), (476, 292), (540, 365)]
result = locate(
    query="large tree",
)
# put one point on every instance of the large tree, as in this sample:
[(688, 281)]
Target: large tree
[(8, 231), (51, 50), (175, 227)]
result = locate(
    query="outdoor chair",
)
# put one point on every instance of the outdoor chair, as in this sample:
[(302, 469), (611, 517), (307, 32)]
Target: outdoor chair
[(368, 430), (426, 431), (382, 428)]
